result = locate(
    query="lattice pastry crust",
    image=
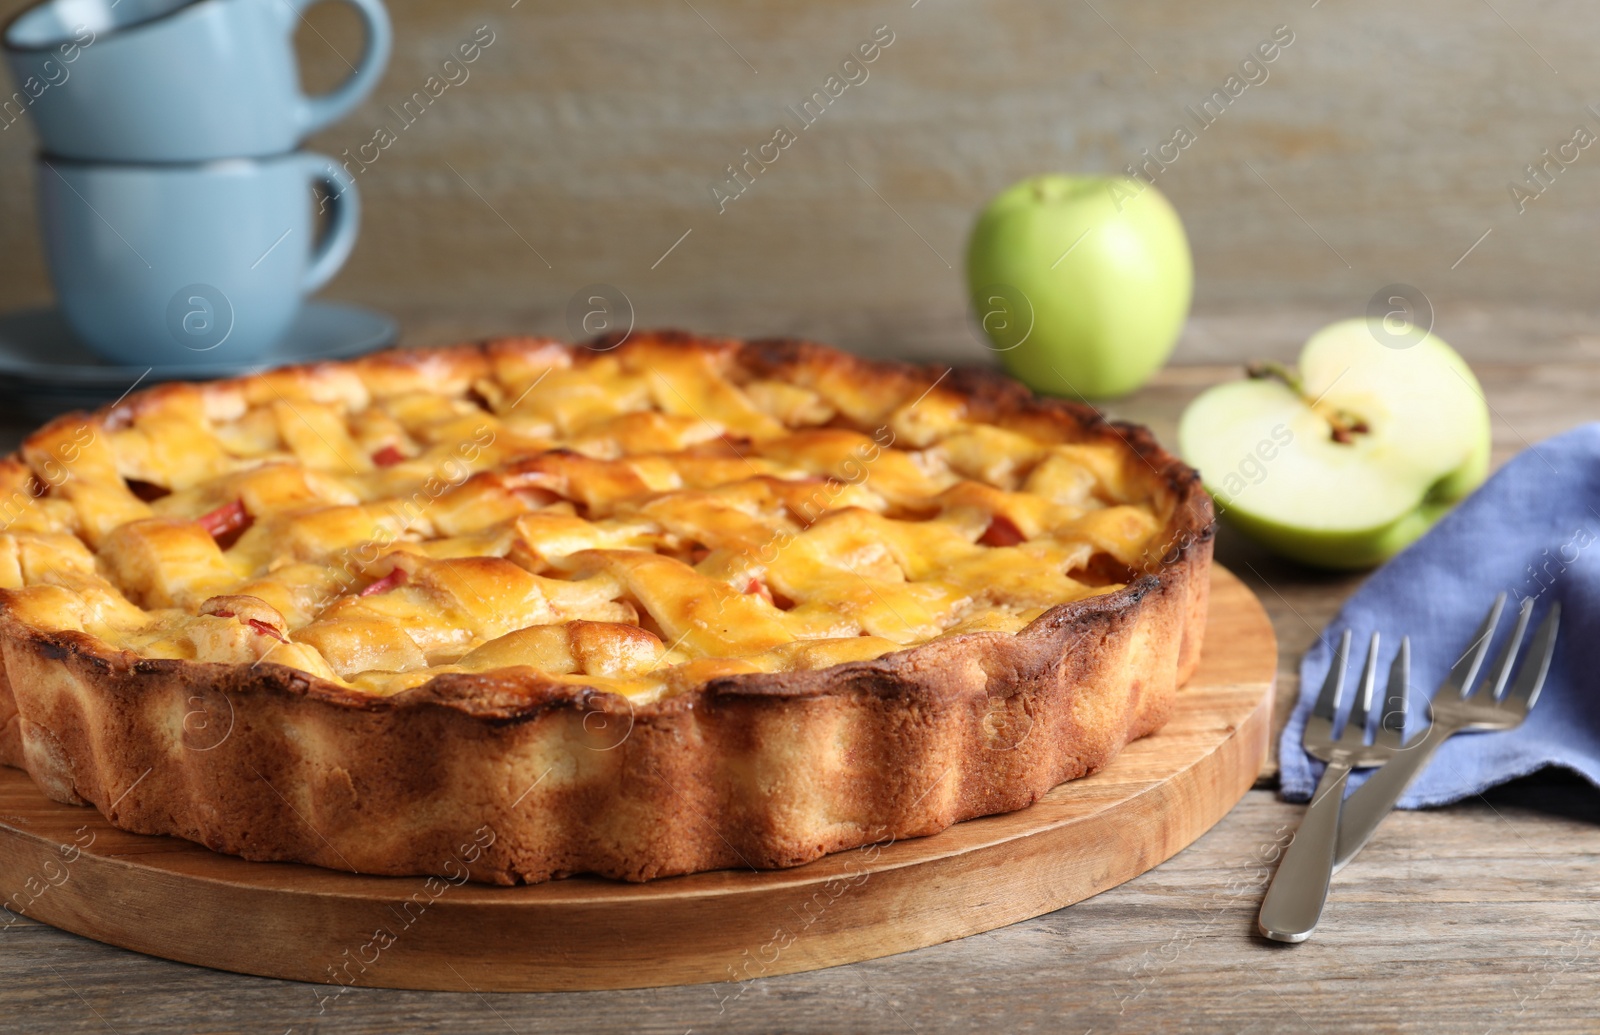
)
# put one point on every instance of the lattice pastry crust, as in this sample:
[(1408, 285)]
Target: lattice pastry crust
[(642, 609)]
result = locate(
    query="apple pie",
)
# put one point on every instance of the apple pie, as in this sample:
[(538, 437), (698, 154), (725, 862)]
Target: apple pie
[(522, 609)]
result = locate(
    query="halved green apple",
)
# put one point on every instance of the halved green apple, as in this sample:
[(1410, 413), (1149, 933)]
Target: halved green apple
[(1348, 463)]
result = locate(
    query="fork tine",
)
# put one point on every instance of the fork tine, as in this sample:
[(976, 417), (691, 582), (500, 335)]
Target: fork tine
[(1327, 706), (1465, 671), (1355, 727), (1396, 701), (1500, 673), (1530, 680)]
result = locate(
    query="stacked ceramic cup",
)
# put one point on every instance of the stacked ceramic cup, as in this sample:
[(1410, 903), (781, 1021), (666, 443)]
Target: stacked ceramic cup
[(178, 219)]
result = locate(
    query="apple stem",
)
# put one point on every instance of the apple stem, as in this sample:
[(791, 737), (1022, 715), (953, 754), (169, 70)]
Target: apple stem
[(1343, 426), (1272, 370)]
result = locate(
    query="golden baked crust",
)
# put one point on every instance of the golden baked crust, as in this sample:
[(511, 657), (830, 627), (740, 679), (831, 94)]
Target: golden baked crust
[(523, 610)]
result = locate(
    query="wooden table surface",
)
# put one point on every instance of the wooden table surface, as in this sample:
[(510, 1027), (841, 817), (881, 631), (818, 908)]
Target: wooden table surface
[(1480, 917)]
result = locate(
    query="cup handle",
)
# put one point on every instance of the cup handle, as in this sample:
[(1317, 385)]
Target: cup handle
[(317, 112), (343, 204)]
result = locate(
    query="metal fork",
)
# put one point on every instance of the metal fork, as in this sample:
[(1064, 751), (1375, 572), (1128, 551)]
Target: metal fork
[(1294, 901), (1459, 705)]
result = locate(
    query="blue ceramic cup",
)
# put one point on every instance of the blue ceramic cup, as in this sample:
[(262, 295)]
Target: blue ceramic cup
[(184, 264), (174, 80)]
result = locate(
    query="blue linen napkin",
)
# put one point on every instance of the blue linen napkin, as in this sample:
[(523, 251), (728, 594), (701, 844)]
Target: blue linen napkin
[(1533, 529)]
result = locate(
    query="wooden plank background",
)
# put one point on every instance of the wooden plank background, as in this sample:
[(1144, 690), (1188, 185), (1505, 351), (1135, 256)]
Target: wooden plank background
[(585, 140)]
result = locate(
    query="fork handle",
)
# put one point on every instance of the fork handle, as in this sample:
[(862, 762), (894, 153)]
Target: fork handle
[(1376, 798), (1294, 901)]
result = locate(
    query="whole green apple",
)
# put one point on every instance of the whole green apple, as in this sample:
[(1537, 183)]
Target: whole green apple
[(1348, 462), (1082, 283)]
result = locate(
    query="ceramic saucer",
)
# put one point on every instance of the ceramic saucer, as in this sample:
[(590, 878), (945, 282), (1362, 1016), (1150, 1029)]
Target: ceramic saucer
[(45, 370)]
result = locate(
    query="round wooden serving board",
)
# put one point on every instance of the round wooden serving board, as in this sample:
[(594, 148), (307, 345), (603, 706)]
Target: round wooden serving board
[(171, 898)]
